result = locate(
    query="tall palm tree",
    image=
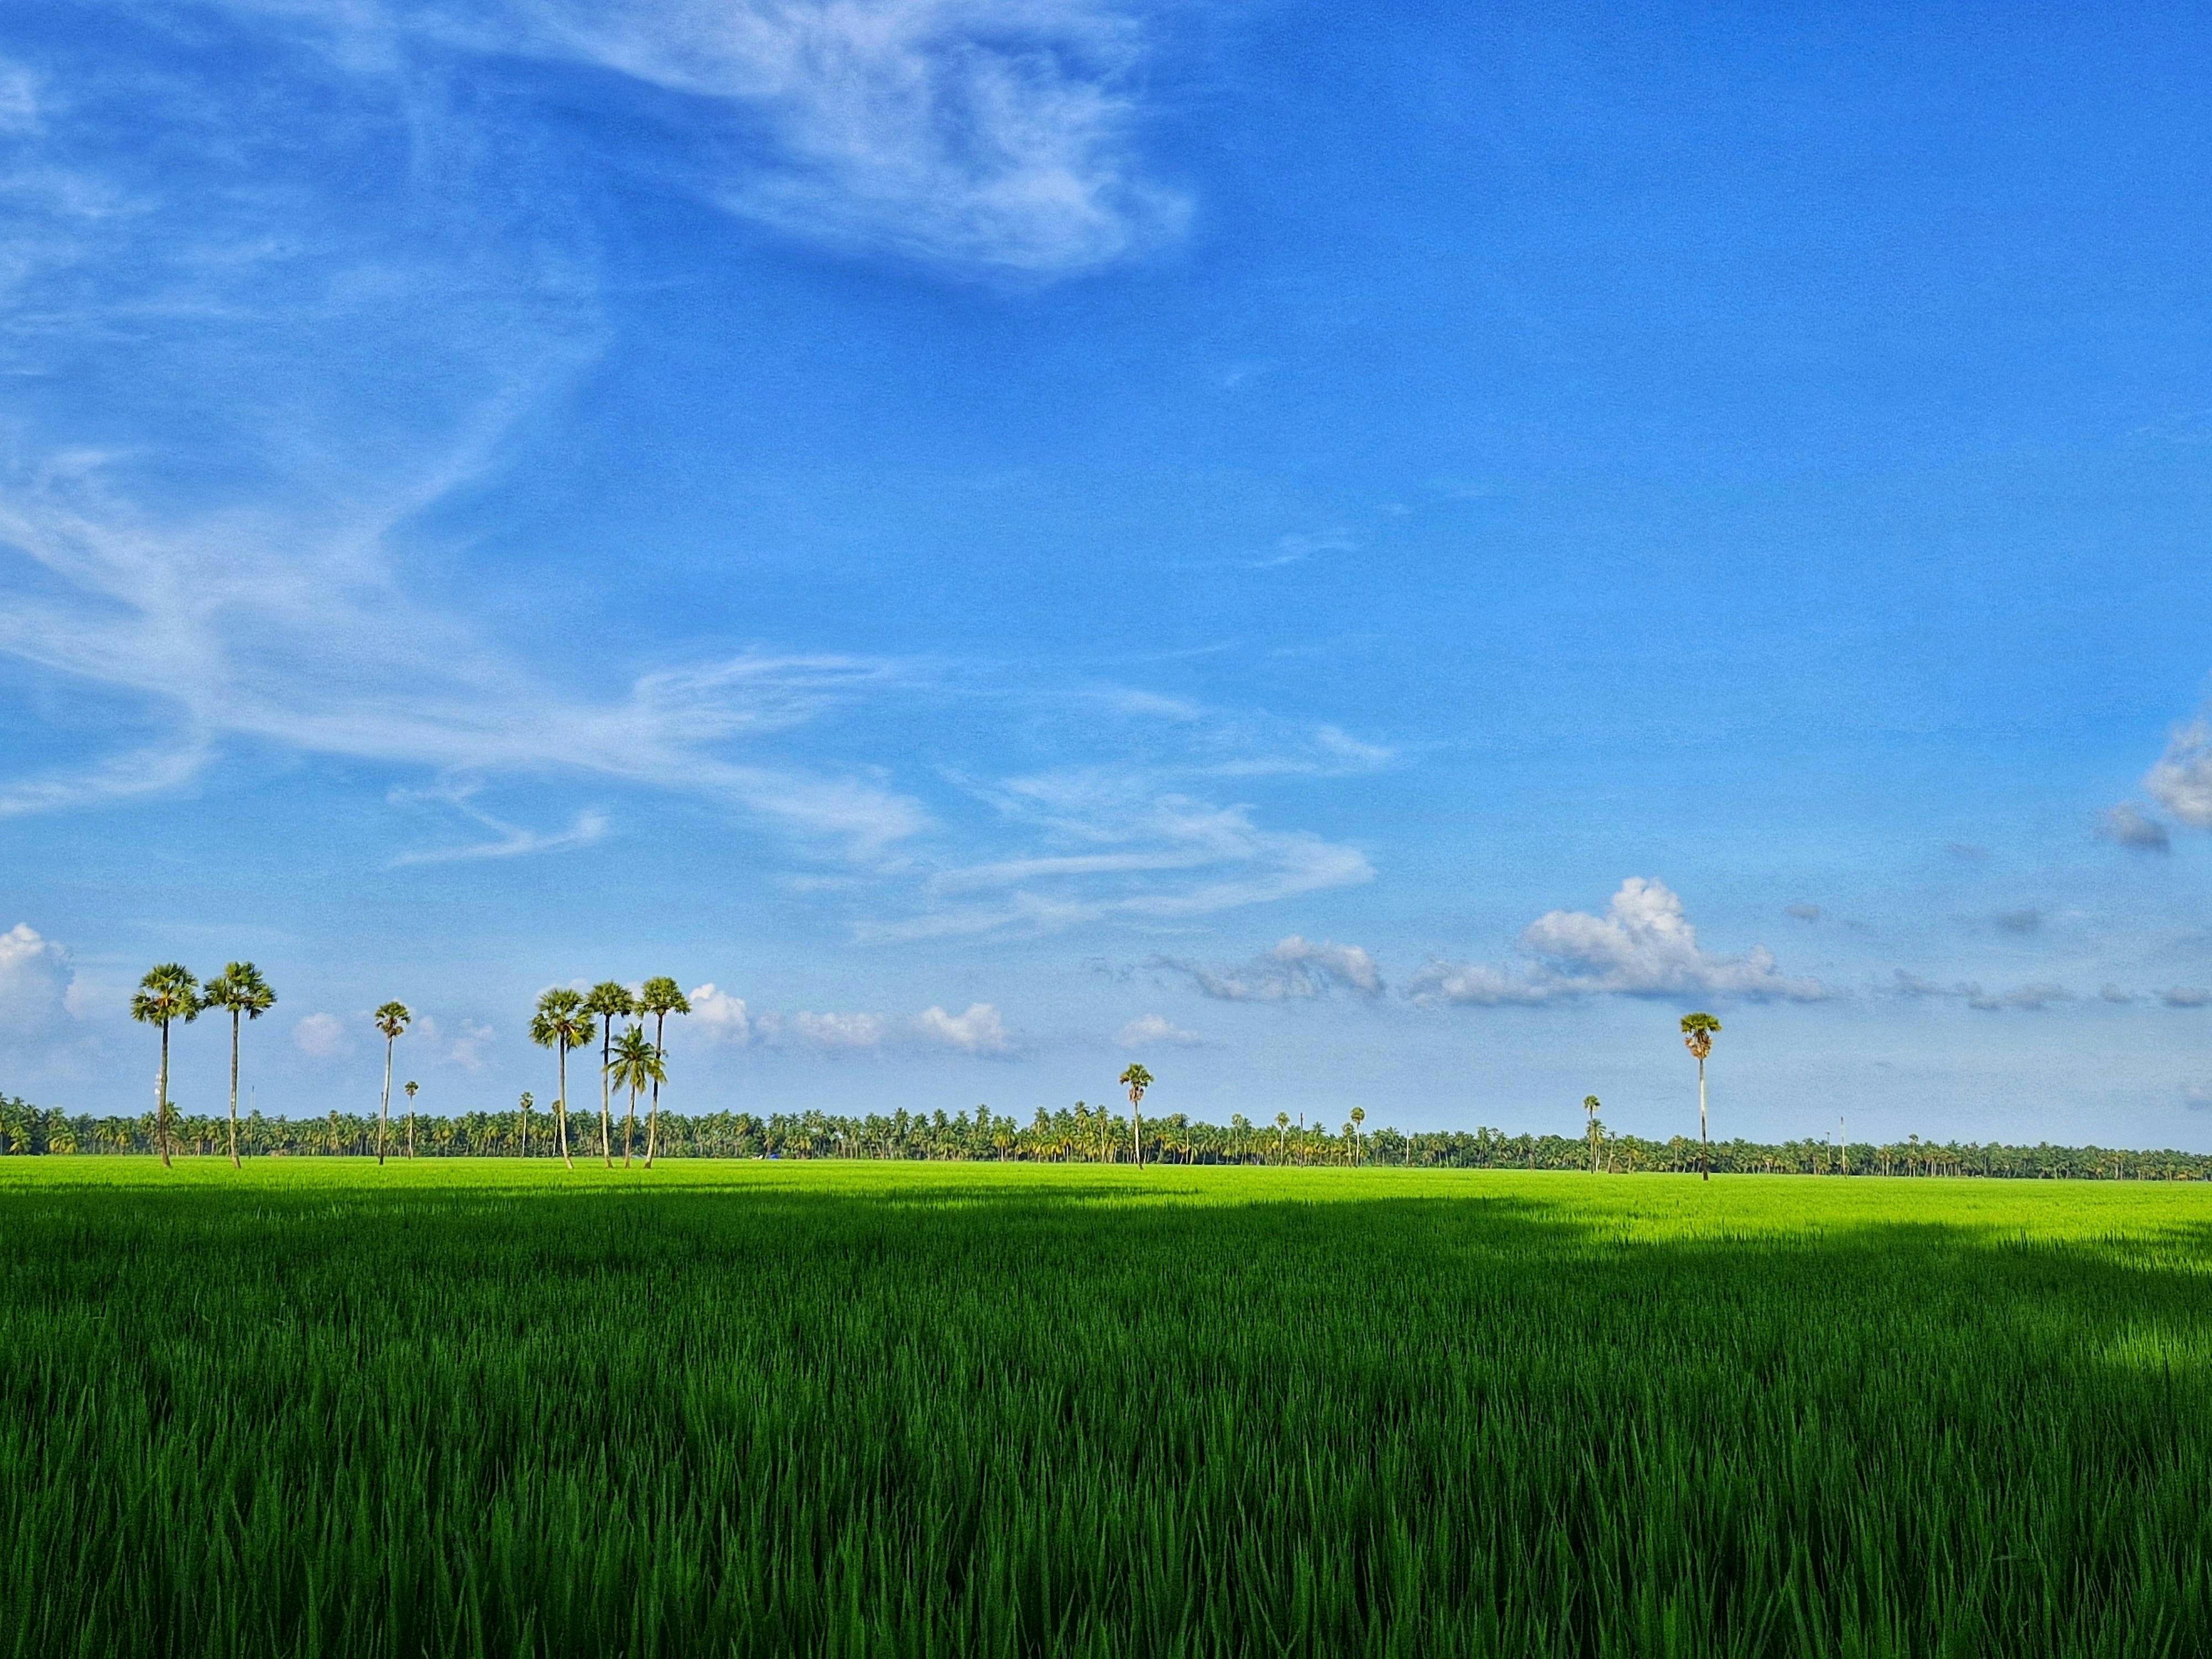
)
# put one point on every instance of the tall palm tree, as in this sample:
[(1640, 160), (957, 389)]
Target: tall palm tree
[(522, 1136), (635, 1066), (661, 997), (1136, 1080), (1358, 1117), (1589, 1110), (560, 1023), (239, 990), (1697, 1031), (611, 1002), (168, 993), (411, 1086), (1283, 1136), (392, 1019)]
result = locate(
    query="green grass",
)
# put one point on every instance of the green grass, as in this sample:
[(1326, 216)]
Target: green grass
[(929, 1409)]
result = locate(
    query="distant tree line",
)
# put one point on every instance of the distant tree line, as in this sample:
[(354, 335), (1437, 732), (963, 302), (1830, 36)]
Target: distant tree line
[(1083, 1133)]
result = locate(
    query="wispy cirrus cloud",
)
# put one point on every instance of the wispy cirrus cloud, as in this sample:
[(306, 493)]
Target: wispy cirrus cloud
[(1643, 945)]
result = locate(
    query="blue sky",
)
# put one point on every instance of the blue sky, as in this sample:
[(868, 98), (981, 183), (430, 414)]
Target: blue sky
[(1371, 559)]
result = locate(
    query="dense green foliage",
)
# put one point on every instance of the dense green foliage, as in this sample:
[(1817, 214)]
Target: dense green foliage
[(925, 1408), (1084, 1134)]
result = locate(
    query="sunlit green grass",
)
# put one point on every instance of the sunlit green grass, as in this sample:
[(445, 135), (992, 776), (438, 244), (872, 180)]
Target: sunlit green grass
[(472, 1407)]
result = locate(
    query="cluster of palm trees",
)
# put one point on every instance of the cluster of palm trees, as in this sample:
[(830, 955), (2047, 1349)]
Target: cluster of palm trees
[(567, 1019), (170, 995)]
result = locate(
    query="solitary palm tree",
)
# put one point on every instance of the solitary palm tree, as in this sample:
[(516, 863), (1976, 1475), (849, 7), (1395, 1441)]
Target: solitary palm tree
[(1136, 1080), (1697, 1037), (1589, 1109), (411, 1086), (635, 1066), (611, 1002), (662, 997), (525, 1126), (168, 992), (562, 1023), (1358, 1117), (239, 989), (392, 1019), (1283, 1135)]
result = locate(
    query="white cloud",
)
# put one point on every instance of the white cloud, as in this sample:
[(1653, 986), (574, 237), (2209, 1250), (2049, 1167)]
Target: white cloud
[(322, 1036), (1294, 968), (466, 1047), (35, 981), (2185, 996), (828, 1033), (1644, 946), (2116, 994), (1152, 1030), (721, 1017), (978, 1031), (2128, 825), (508, 840), (993, 134), (1802, 912), (2181, 782)]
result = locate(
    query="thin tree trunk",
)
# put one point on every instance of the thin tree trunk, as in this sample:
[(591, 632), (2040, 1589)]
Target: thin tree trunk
[(1137, 1134), (629, 1125), (161, 1100), (1704, 1158), (384, 1112), (234, 1089), (653, 1117), (524, 1114), (410, 1128), (561, 1109), (606, 1126)]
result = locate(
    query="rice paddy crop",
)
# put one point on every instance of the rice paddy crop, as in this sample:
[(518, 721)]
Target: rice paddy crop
[(927, 1409)]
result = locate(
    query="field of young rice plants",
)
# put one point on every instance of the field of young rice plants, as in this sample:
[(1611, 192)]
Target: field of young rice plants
[(320, 1407)]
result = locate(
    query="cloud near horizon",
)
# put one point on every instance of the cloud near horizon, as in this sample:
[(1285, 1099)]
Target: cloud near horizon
[(1644, 946), (721, 1017)]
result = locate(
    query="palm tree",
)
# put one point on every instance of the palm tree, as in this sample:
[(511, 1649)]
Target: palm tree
[(168, 992), (392, 1019), (1589, 1109), (611, 1002), (562, 1023), (1136, 1080), (411, 1086), (1697, 1031), (1358, 1117), (661, 997), (523, 1128), (635, 1066), (239, 989), (1283, 1136)]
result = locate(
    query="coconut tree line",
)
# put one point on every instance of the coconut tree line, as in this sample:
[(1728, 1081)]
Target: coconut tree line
[(1085, 1134)]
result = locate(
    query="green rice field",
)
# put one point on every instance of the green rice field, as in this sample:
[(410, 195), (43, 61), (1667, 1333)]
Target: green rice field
[(469, 1407)]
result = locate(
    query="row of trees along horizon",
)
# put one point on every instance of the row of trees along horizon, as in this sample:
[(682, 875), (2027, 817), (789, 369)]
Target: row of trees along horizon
[(567, 1020)]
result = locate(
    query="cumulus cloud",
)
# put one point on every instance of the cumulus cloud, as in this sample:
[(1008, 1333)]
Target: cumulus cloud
[(2127, 825), (1155, 1031), (1802, 912), (721, 1017), (1295, 968), (1644, 946), (2181, 782), (826, 1033), (322, 1036), (2115, 993), (35, 981), (978, 1031), (2185, 996)]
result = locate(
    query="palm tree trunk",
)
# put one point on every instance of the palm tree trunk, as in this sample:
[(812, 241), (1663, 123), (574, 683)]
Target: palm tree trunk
[(606, 1126), (234, 1089), (161, 1099), (629, 1125), (384, 1112), (1136, 1134), (653, 1117), (1704, 1158), (410, 1128), (561, 1109)]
